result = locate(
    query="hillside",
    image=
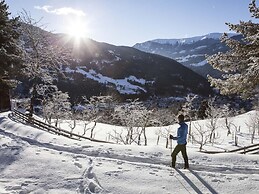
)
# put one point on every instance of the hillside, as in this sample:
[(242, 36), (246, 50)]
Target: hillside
[(190, 52), (35, 161), (101, 68), (95, 68)]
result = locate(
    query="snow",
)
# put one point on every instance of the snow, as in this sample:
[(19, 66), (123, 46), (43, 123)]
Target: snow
[(122, 85), (187, 58), (202, 63), (35, 161), (191, 40)]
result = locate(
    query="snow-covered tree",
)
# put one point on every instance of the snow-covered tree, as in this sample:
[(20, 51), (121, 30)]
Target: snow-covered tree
[(46, 93), (240, 64), (200, 135), (227, 113), (127, 116), (165, 117), (253, 125), (135, 117), (57, 106), (10, 52), (146, 118), (189, 112), (95, 108), (43, 54), (213, 113)]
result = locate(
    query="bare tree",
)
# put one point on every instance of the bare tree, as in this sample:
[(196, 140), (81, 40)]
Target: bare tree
[(163, 132), (214, 113), (227, 113), (189, 112), (146, 118), (76, 114), (43, 54), (95, 108), (235, 133), (126, 115), (134, 117), (165, 117), (118, 136), (200, 135), (253, 125), (57, 106)]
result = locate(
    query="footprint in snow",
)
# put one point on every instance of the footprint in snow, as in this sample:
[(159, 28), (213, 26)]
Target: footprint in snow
[(77, 164), (99, 164), (242, 178), (120, 162), (89, 183), (90, 174)]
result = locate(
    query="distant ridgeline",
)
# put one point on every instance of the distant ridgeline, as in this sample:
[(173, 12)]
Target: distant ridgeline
[(104, 69), (189, 51)]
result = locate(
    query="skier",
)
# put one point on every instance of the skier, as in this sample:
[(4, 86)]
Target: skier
[(181, 142)]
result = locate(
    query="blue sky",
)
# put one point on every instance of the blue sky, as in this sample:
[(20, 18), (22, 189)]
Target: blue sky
[(126, 22)]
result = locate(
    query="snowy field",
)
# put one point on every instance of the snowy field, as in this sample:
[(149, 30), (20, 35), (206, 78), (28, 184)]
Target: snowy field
[(35, 161)]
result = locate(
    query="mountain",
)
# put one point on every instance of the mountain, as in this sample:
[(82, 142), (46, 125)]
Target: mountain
[(190, 52), (96, 68), (101, 68)]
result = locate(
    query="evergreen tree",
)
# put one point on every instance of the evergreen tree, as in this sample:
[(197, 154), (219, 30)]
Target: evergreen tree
[(10, 52), (240, 64)]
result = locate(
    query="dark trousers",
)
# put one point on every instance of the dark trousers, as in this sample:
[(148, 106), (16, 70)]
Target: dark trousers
[(177, 149)]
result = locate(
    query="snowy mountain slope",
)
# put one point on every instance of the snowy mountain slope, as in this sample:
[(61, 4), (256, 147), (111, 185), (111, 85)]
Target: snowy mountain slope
[(35, 161), (104, 68), (123, 86), (190, 40), (189, 51), (94, 68)]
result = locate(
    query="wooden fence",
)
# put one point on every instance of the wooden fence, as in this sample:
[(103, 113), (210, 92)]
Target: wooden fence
[(50, 128), (243, 150), (68, 134)]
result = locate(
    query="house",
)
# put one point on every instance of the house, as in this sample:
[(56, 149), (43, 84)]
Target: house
[(5, 103)]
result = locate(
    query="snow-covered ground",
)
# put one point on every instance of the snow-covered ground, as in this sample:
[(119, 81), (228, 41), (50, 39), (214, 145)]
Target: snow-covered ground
[(124, 86), (35, 161)]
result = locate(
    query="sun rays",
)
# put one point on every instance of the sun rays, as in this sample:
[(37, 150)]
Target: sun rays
[(77, 29)]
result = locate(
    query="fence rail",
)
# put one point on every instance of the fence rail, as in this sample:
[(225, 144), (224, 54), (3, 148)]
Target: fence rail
[(51, 128), (242, 150), (246, 149)]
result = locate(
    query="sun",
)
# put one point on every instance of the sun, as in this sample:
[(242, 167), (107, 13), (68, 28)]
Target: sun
[(77, 29)]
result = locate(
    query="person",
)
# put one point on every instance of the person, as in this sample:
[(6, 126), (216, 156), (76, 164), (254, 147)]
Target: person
[(181, 142)]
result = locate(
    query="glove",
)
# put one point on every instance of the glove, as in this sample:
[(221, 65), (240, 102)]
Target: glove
[(171, 137)]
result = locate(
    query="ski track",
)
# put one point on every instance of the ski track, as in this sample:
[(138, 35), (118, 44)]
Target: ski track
[(135, 160), (191, 180), (99, 153)]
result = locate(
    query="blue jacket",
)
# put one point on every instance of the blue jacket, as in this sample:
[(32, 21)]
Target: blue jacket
[(182, 134)]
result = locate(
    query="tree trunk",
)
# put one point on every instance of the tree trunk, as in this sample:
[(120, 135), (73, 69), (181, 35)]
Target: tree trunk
[(92, 130), (190, 131), (33, 96), (145, 136), (236, 139), (139, 139), (158, 137)]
